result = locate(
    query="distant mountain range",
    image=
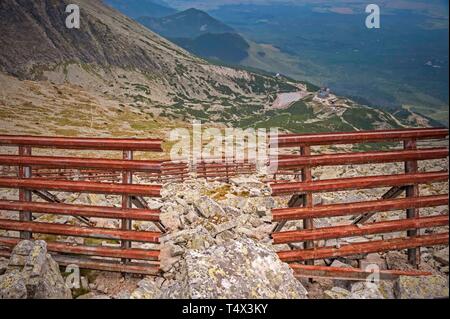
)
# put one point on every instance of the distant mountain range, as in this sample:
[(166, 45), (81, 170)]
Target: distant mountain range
[(139, 8), (190, 23), (201, 34)]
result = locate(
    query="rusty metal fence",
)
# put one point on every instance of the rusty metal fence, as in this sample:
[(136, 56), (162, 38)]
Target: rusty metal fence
[(39, 176), (120, 254), (223, 168), (301, 206)]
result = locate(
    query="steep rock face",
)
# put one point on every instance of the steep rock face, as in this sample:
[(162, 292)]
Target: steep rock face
[(34, 33), (32, 274)]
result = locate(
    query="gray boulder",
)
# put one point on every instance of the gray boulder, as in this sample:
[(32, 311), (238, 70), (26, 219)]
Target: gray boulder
[(32, 274), (425, 287), (239, 269), (366, 290)]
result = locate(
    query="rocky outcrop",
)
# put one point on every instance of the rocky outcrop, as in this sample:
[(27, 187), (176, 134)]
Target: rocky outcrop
[(237, 270), (32, 274)]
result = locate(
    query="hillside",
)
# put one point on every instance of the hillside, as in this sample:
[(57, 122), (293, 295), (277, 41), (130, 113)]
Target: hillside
[(224, 47), (114, 76)]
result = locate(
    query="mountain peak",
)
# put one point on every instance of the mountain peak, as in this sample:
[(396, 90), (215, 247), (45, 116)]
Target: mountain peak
[(194, 10), (189, 23)]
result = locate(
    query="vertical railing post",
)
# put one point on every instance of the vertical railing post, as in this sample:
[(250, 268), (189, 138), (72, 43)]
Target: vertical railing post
[(412, 191), (204, 170), (127, 178), (226, 171), (24, 194), (307, 199)]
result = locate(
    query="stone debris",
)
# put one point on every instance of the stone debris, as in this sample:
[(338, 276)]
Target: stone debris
[(32, 274), (208, 207), (337, 293), (441, 256), (358, 290), (147, 289), (365, 290), (3, 265), (225, 226), (92, 295)]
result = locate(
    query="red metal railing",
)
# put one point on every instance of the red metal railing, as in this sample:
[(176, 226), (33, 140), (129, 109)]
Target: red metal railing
[(123, 256), (223, 168), (302, 206), (41, 175)]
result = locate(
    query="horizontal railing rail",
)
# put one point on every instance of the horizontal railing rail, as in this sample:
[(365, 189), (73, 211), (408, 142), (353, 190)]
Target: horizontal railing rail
[(343, 273), (66, 230), (292, 140), (364, 248), (82, 210), (89, 163), (351, 183), (83, 143), (359, 230), (356, 208), (140, 254), (362, 158), (82, 187)]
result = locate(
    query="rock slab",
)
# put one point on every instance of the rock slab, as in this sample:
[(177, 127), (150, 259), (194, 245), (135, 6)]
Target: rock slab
[(240, 269)]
